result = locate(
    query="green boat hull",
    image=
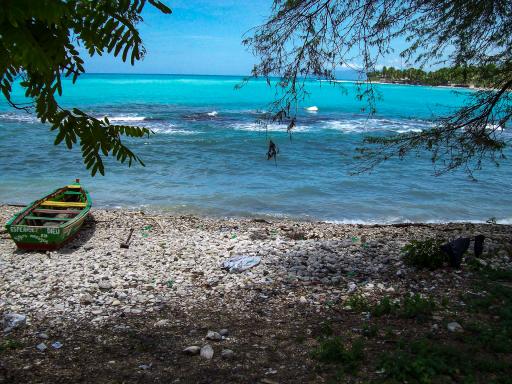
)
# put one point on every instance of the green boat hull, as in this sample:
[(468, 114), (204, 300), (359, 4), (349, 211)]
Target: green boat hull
[(27, 235), (43, 238)]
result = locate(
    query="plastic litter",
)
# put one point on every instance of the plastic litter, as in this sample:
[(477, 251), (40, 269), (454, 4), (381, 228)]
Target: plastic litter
[(240, 263), (57, 345)]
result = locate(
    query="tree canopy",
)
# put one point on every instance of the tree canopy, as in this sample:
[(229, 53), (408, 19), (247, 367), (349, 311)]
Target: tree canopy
[(39, 43), (313, 38)]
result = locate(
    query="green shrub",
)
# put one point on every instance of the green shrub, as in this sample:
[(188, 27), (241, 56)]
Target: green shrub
[(9, 344), (424, 254), (416, 306), (332, 350), (358, 303), (384, 307)]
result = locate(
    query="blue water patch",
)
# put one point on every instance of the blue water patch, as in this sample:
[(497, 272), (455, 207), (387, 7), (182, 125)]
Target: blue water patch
[(207, 155)]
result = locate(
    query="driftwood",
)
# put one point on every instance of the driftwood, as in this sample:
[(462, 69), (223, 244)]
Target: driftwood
[(126, 244)]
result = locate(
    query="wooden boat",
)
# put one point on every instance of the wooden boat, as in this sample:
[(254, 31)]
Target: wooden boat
[(50, 222)]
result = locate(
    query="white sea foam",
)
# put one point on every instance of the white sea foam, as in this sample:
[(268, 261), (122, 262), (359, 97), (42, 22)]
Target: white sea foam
[(171, 129), (399, 220), (272, 127), (127, 118), (314, 108), (374, 125), (24, 117), (213, 113)]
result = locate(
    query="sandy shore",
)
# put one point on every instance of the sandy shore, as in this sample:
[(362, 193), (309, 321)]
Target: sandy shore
[(170, 276)]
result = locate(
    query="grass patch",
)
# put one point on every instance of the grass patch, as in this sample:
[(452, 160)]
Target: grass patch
[(9, 345), (411, 307), (358, 303), (423, 361), (417, 307), (425, 254), (347, 359), (385, 306)]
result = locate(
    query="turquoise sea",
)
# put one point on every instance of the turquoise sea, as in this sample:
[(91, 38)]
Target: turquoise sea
[(208, 153)]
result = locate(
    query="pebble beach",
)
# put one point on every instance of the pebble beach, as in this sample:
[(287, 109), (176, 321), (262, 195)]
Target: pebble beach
[(169, 282), (178, 259)]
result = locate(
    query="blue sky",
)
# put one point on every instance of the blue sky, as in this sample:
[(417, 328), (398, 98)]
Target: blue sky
[(199, 37)]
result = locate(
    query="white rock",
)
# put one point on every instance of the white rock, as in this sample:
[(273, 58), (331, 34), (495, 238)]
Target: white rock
[(303, 300), (454, 327), (13, 321), (351, 287), (105, 285), (162, 323), (207, 352), (211, 335)]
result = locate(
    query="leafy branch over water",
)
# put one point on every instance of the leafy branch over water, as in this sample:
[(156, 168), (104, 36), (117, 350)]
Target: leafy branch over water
[(39, 43), (305, 39)]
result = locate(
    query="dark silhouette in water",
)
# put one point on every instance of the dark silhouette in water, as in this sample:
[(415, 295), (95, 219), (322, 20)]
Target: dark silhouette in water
[(272, 151)]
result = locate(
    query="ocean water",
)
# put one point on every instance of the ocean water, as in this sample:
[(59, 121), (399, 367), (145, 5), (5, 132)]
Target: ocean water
[(208, 153)]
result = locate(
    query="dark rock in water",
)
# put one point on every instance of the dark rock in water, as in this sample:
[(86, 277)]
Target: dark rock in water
[(455, 250), (479, 245)]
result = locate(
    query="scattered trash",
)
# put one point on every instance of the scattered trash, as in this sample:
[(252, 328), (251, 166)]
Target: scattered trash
[(233, 236), (57, 345), (355, 239), (169, 283), (145, 366), (145, 231), (41, 347), (240, 263)]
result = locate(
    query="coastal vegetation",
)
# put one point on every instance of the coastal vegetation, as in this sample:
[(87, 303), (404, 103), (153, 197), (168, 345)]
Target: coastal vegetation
[(39, 46), (462, 76), (315, 38)]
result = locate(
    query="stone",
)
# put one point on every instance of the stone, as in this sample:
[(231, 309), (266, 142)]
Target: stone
[(227, 354), (104, 285), (162, 323), (303, 300), (86, 299), (224, 332), (454, 327), (207, 352), (351, 287), (115, 303), (192, 350), (13, 321), (41, 347), (43, 336), (211, 335)]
